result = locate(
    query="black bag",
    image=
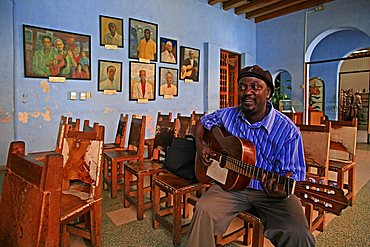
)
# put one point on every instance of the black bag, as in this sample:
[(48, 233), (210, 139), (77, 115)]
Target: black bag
[(180, 158)]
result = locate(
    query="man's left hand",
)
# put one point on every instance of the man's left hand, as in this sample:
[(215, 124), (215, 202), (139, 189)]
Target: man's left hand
[(271, 187)]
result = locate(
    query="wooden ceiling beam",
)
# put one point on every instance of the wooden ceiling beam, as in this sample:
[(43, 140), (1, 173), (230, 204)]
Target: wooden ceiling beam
[(213, 2), (291, 9), (254, 5), (233, 4), (272, 8)]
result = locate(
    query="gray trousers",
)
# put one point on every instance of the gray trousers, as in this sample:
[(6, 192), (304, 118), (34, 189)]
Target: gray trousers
[(283, 219)]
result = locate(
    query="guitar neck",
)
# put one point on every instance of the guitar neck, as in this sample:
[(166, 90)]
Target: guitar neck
[(255, 172)]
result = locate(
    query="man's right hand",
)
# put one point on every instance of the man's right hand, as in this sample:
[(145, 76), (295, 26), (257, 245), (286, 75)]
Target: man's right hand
[(205, 154)]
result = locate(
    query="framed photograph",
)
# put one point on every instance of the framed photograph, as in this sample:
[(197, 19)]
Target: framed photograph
[(142, 81), (143, 39), (53, 53), (168, 50), (110, 75), (111, 31), (189, 63), (168, 81)]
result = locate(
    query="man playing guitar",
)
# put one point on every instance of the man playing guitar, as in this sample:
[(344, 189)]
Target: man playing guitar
[(278, 148)]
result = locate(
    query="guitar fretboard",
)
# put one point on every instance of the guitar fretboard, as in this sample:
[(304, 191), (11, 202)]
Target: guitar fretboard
[(255, 172)]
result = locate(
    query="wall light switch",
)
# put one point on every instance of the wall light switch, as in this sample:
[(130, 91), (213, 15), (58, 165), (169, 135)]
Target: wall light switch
[(82, 95), (73, 95)]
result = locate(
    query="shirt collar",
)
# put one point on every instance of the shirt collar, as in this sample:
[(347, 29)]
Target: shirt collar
[(267, 122)]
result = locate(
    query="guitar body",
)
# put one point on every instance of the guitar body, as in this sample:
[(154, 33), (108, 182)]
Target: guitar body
[(186, 71), (58, 66), (221, 142)]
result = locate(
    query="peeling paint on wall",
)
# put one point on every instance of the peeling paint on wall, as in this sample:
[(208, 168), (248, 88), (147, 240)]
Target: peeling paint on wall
[(23, 117), (47, 114), (107, 110), (44, 85), (149, 120), (5, 117)]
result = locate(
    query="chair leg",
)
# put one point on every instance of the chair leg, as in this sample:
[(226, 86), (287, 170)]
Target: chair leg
[(114, 179), (64, 236), (176, 233), (258, 237), (309, 215), (351, 185), (156, 205), (140, 197), (126, 188), (96, 224), (106, 173)]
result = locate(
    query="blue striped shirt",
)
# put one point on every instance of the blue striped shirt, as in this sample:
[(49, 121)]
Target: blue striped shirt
[(276, 138)]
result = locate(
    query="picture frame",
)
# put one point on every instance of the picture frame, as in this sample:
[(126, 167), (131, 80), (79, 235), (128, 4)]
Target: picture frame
[(109, 78), (137, 30), (135, 87), (170, 76), (54, 53), (111, 31), (187, 70), (168, 48)]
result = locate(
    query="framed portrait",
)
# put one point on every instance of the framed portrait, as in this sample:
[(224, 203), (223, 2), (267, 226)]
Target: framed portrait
[(168, 50), (142, 81), (53, 53), (110, 75), (143, 39), (168, 81), (189, 63), (111, 31)]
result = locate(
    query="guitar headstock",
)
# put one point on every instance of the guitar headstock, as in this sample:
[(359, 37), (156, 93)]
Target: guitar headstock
[(330, 199)]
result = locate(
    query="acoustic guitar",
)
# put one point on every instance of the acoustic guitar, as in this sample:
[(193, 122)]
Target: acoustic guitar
[(186, 71), (236, 156), (58, 66)]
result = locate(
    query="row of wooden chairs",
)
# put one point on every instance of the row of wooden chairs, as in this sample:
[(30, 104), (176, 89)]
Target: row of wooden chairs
[(116, 154), (49, 195)]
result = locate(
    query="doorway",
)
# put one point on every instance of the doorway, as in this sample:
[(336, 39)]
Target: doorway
[(229, 70)]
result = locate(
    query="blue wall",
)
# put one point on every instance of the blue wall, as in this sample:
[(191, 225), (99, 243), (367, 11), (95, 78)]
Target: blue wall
[(277, 44), (38, 104), (280, 41)]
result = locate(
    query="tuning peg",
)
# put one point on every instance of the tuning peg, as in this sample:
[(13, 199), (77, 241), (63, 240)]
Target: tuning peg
[(316, 200), (312, 180), (334, 184), (305, 196), (322, 181), (326, 204)]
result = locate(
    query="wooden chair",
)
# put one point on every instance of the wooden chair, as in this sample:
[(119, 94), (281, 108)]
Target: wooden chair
[(186, 125), (316, 143), (119, 142), (147, 169), (150, 142), (178, 190), (115, 159), (342, 155), (30, 200), (81, 203)]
